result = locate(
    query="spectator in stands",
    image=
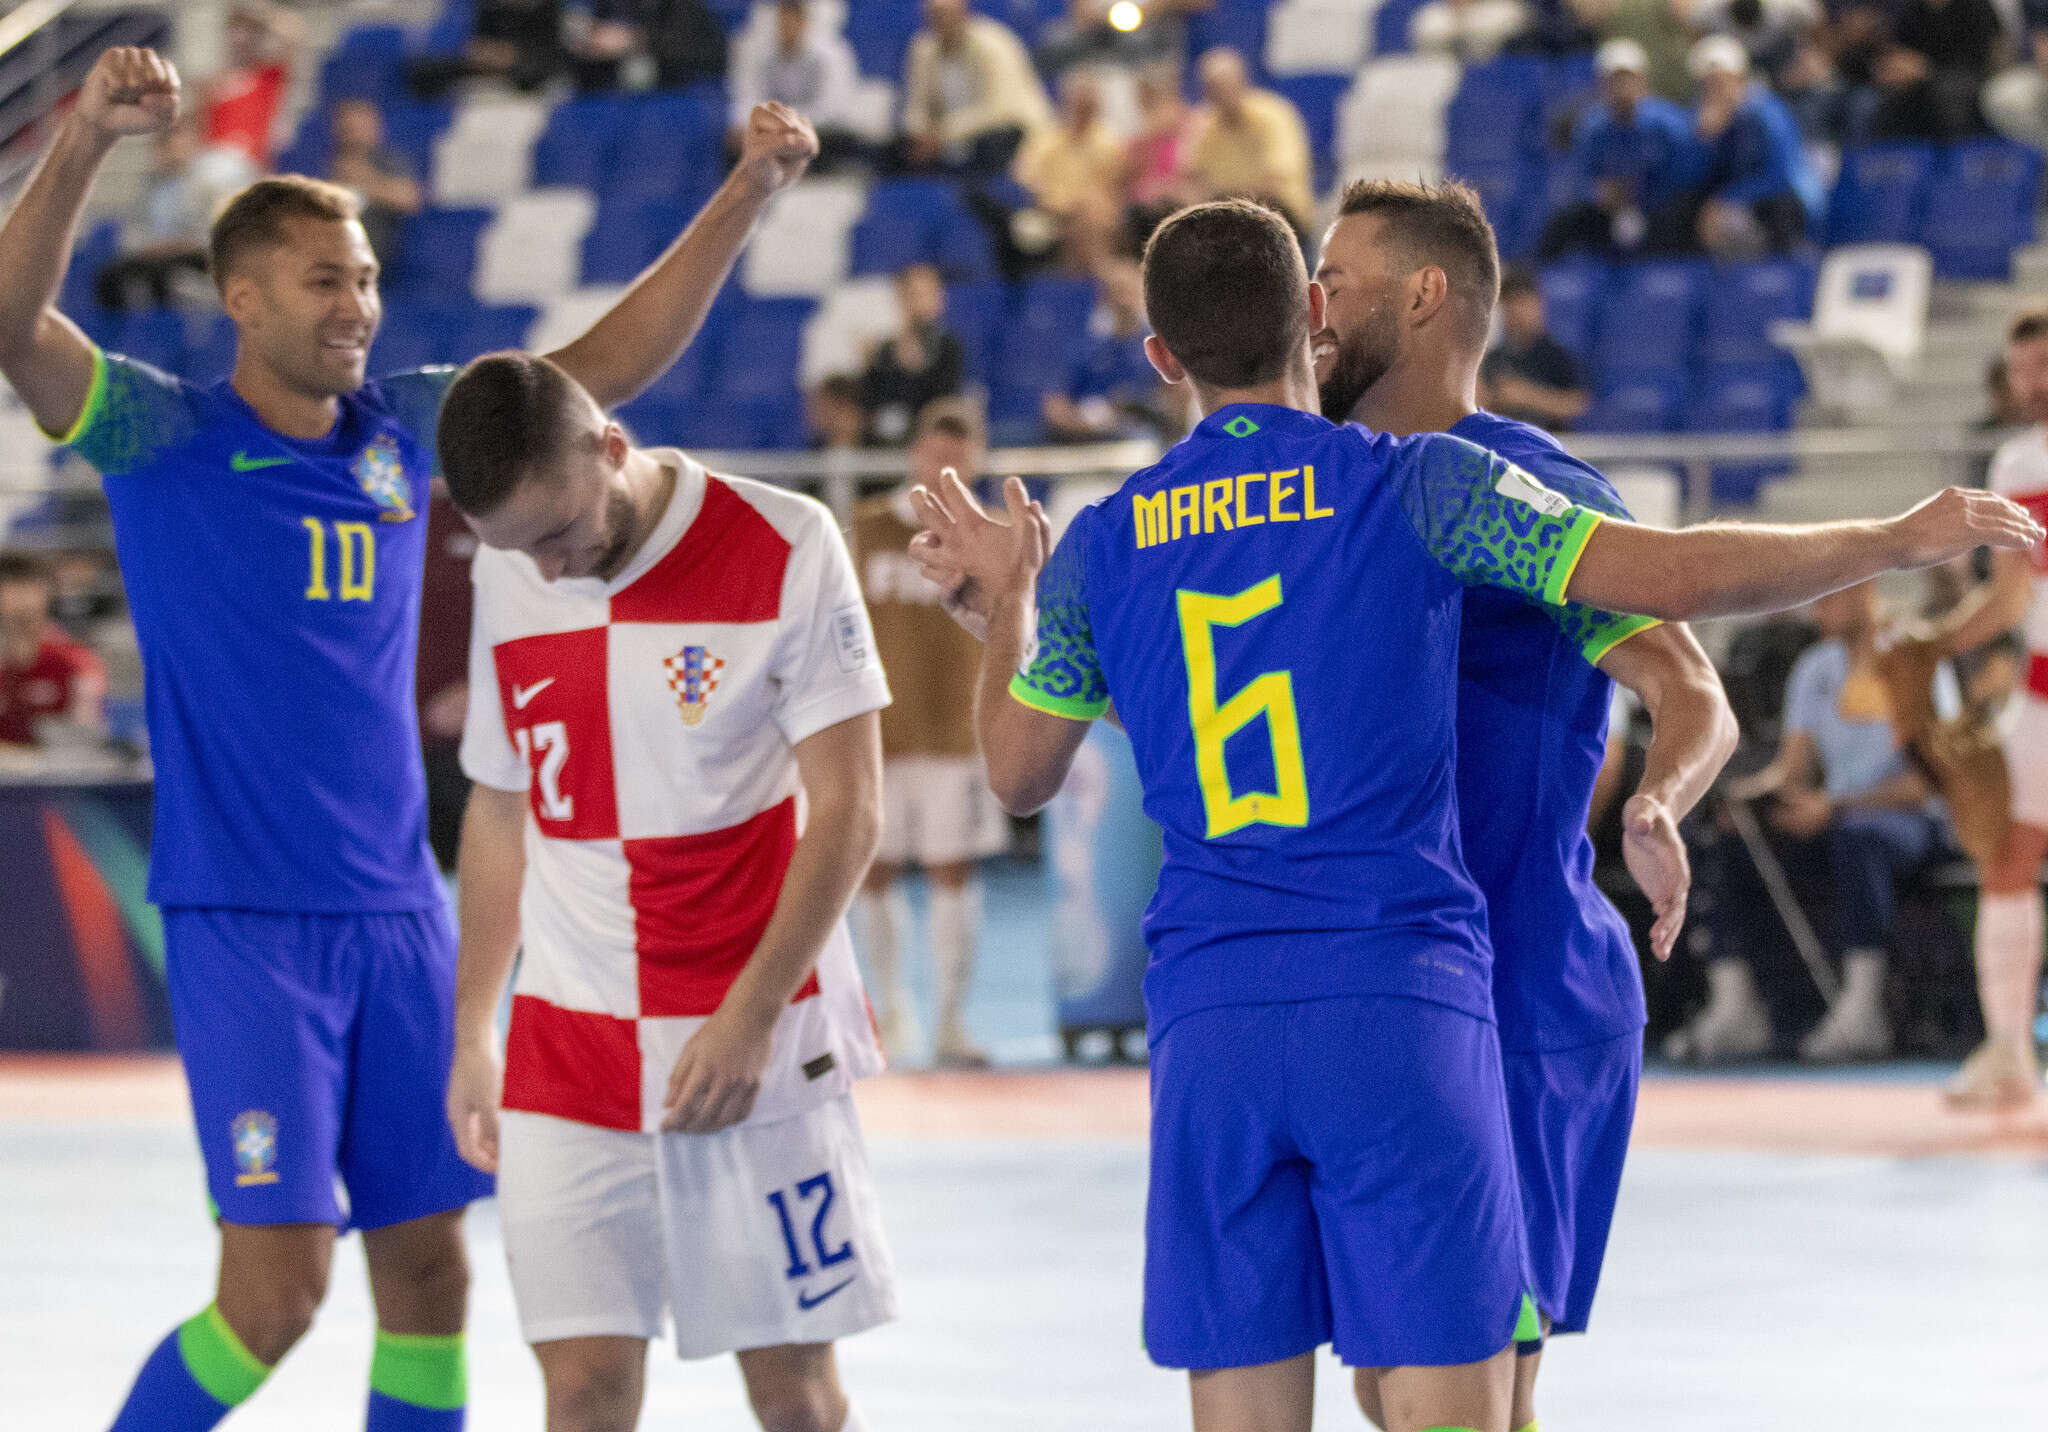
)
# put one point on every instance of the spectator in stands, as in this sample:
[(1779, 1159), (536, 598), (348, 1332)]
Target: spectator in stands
[(1530, 376), (2015, 103), (1073, 171), (833, 410), (517, 41), (1772, 31), (165, 232), (1848, 816), (1826, 109), (1153, 186), (1633, 156), (1941, 55), (921, 362), (1083, 38), (643, 44), (380, 175), (970, 94), (1248, 143), (937, 810), (52, 689), (1471, 31), (811, 70), (1113, 391), (1758, 193), (239, 106), (1658, 26)]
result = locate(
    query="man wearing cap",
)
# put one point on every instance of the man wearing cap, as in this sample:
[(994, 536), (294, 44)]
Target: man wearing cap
[(1635, 157), (1757, 192)]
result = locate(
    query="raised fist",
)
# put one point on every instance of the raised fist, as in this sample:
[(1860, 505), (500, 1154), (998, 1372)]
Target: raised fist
[(130, 91)]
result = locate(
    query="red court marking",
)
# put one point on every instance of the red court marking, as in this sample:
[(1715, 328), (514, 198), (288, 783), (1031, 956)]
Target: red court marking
[(113, 1002), (1778, 1116)]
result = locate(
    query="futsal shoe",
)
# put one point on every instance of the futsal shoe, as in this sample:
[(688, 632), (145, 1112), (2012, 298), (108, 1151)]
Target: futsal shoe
[(1996, 1077), (1856, 1026), (957, 1050), (1734, 1025)]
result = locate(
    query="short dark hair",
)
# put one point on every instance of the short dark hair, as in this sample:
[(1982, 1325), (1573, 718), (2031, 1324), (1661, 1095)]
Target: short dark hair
[(2028, 326), (18, 566), (955, 417), (1227, 292), (1436, 224), (255, 218), (506, 416)]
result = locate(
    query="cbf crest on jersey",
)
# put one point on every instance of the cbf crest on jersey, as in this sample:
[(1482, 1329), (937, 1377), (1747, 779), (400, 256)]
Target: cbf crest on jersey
[(693, 676), (380, 469), (255, 1144)]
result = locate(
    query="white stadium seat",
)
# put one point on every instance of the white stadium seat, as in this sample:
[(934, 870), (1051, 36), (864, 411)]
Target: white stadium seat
[(801, 246), (853, 315), (486, 155), (1395, 110), (533, 251), (1869, 327), (1319, 37)]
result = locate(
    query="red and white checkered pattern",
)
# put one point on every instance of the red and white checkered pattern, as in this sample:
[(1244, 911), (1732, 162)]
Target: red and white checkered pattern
[(2020, 471), (658, 844)]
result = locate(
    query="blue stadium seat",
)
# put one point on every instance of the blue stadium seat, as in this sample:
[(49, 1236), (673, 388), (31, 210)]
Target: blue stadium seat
[(1390, 26), (437, 252), (627, 235), (974, 314), (1638, 405), (669, 144), (386, 41), (155, 335), (451, 30), (1016, 416), (405, 341), (879, 32), (1881, 194), (1649, 319), (495, 326), (580, 142), (210, 351), (1496, 116), (1740, 400), (887, 240), (1745, 299), (965, 251), (1240, 24), (359, 76), (98, 248), (1980, 207), (1317, 97), (1569, 84), (656, 421), (1510, 193), (1573, 292), (763, 350), (683, 380), (1048, 325), (411, 126)]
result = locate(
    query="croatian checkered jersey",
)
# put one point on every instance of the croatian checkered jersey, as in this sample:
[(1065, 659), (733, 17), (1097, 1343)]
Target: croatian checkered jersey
[(651, 721), (2020, 472)]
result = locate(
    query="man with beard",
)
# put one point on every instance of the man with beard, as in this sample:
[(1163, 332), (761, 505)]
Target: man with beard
[(1411, 271)]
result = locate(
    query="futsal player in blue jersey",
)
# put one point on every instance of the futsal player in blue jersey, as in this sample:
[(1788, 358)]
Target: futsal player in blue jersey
[(1412, 272), (271, 534), (1273, 610)]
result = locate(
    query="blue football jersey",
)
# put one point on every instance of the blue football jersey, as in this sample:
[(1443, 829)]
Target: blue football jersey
[(275, 585), (1532, 732), (1274, 610)]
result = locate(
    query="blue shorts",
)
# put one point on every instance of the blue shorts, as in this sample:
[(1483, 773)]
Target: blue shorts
[(317, 1048), (1571, 1111), (1332, 1170)]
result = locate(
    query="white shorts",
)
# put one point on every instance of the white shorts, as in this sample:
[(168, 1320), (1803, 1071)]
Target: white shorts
[(938, 810), (757, 1236), (2026, 757)]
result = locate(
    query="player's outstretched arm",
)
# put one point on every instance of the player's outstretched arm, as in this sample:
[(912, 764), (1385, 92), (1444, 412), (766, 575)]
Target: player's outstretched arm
[(990, 570), (718, 1075), (1728, 569), (653, 322), (1994, 608), (489, 873), (1693, 734), (42, 353)]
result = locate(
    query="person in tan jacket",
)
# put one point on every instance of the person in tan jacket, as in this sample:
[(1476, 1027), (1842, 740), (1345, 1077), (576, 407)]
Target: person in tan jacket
[(970, 93), (937, 810), (1249, 143)]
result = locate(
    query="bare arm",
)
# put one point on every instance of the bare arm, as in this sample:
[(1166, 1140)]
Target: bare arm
[(1692, 736), (651, 324), (42, 353), (718, 1075), (1726, 569), (489, 873), (1992, 609)]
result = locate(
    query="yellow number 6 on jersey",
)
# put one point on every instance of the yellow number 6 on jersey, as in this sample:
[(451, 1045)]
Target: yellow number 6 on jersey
[(1270, 695)]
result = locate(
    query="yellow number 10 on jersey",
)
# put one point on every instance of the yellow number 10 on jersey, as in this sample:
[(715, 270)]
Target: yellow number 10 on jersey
[(1270, 695), (358, 548)]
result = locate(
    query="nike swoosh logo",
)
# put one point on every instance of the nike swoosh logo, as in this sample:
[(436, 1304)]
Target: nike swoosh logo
[(242, 462), (806, 1302), (520, 697)]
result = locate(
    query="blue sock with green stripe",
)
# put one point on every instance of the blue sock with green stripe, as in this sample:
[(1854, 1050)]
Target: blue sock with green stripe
[(196, 1376), (417, 1384)]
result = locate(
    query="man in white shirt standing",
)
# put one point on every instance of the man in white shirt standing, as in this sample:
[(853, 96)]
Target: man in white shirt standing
[(673, 732), (806, 66), (2003, 1073)]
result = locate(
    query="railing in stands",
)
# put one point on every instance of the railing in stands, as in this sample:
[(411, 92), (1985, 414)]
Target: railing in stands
[(46, 48)]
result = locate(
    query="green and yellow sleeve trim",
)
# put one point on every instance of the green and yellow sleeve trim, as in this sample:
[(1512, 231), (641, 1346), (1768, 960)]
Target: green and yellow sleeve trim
[(95, 399), (1609, 637), (1072, 708), (1584, 523)]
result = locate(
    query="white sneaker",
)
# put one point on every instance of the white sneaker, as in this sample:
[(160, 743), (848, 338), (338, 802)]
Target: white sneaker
[(1856, 1026), (1734, 1025), (2000, 1076)]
